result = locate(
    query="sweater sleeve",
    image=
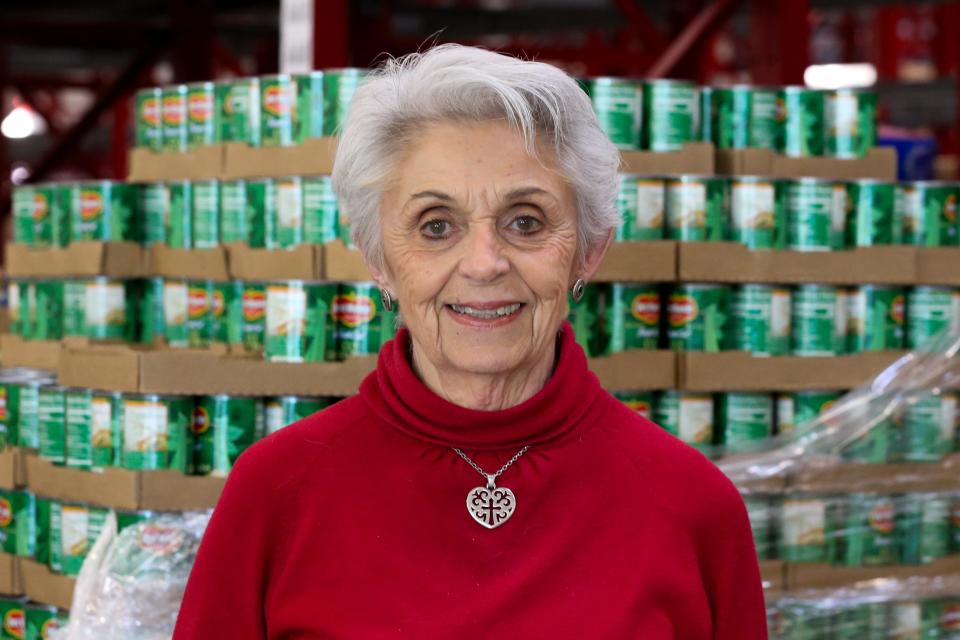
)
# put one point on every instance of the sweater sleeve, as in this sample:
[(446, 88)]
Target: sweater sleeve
[(225, 594)]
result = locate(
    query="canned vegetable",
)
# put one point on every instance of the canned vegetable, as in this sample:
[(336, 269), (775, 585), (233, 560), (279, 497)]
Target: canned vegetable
[(763, 118), (697, 316), (876, 318), (239, 110), (203, 127), (618, 103), (51, 422), (104, 211), (361, 323), (173, 112), (757, 212), (800, 116), (813, 320), (930, 310), (687, 415), (16, 523), (632, 317), (205, 214), (744, 420), (928, 210), (670, 114), (284, 215), (320, 212), (873, 216), (283, 411), (339, 85), (148, 126), (278, 111), (760, 320), (300, 321), (156, 432), (223, 428), (732, 108), (696, 208), (851, 122)]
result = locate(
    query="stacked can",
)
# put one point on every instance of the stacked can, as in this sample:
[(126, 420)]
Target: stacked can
[(760, 320), (687, 415), (731, 113), (873, 218), (744, 420), (16, 523), (931, 310), (42, 621), (640, 201), (148, 123), (73, 531), (757, 212), (814, 321), (203, 115), (278, 108), (339, 85), (631, 317), (928, 211), (801, 407), (585, 318), (763, 118), (928, 428), (697, 316), (300, 321), (19, 405), (51, 422), (803, 529), (763, 516), (876, 318), (642, 402), (670, 114), (800, 118), (103, 211), (223, 428), (865, 530), (696, 208), (156, 432), (238, 103), (816, 212), (923, 527), (618, 103), (41, 214), (850, 119), (283, 411), (361, 324)]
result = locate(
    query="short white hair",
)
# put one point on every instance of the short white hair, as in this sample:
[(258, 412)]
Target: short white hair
[(456, 83)]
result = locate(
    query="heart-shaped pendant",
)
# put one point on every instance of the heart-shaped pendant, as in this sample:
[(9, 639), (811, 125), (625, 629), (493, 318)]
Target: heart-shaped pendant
[(491, 506)]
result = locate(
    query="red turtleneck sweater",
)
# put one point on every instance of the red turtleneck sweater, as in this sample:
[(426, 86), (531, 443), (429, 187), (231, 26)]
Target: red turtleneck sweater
[(353, 524)]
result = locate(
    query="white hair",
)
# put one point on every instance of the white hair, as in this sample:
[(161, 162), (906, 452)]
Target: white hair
[(455, 83)]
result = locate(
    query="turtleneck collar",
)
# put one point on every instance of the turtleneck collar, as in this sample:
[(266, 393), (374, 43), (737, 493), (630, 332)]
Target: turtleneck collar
[(398, 397)]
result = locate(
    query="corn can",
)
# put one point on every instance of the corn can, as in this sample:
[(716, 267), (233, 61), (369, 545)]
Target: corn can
[(106, 430), (813, 320), (876, 319), (300, 325), (173, 112), (278, 109), (800, 118), (928, 210), (205, 214), (875, 446), (931, 310), (227, 311), (238, 103), (866, 535), (811, 215), (178, 220), (148, 124), (923, 523), (25, 308), (763, 118), (632, 317), (670, 114), (150, 310), (284, 215), (732, 108), (103, 211), (13, 615), (760, 320), (260, 199), (153, 201), (698, 316), (79, 427), (873, 217), (199, 313), (109, 309), (47, 310), (641, 402), (44, 621), (41, 215), (282, 411), (808, 405), (803, 529), (253, 307), (17, 519), (51, 420), (74, 307), (850, 120), (757, 212), (696, 208), (744, 420), (16, 307), (361, 323), (687, 415), (156, 432), (223, 428), (618, 104), (640, 201), (584, 318), (929, 428), (28, 414), (80, 526), (9, 434), (339, 85), (202, 115), (234, 223), (320, 212), (176, 296), (915, 619)]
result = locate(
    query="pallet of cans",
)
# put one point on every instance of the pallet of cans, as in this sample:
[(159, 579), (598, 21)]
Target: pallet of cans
[(26, 620)]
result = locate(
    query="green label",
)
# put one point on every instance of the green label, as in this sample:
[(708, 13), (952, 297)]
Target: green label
[(224, 427), (632, 317), (52, 407), (173, 112), (361, 323), (813, 321), (876, 319), (239, 110), (103, 211), (803, 529), (696, 209), (253, 308), (285, 410), (300, 322), (42, 621), (928, 212), (732, 110), (745, 419), (105, 430), (234, 225), (851, 123), (763, 119), (278, 111), (227, 312), (757, 213), (810, 215), (697, 316), (175, 305), (200, 321), (800, 115), (669, 114), (205, 215), (79, 429), (17, 522), (760, 320), (930, 310), (284, 218), (873, 219), (688, 416), (154, 200), (320, 212), (28, 420), (148, 132), (74, 308), (618, 103), (179, 225), (157, 433), (929, 429), (13, 614), (202, 112), (339, 86), (105, 309), (868, 537)]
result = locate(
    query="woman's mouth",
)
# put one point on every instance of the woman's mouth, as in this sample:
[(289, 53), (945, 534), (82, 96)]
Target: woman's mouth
[(485, 314)]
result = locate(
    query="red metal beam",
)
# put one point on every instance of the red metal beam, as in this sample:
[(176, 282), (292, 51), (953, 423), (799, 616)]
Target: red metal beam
[(652, 37), (703, 25), (225, 58)]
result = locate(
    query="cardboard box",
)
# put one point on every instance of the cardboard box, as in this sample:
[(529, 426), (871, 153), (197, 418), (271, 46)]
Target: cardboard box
[(202, 163), (879, 163), (938, 266), (11, 583), (175, 371), (636, 370), (343, 264), (653, 261), (895, 477), (125, 489), (734, 262), (199, 264), (312, 157), (742, 371), (44, 586), (801, 576), (81, 259), (773, 575), (693, 158), (300, 263), (34, 354), (13, 467)]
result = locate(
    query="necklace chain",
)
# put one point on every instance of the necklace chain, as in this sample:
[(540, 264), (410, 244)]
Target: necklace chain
[(493, 477)]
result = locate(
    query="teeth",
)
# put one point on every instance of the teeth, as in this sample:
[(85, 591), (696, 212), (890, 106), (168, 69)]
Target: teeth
[(486, 314)]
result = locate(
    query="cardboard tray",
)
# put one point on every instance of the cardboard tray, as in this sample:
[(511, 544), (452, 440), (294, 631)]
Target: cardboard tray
[(801, 576), (13, 468), (636, 370), (125, 489), (343, 264), (653, 261), (693, 158), (44, 586), (11, 582), (199, 264), (938, 266), (202, 163), (773, 575), (734, 262), (310, 158), (879, 163), (897, 477), (185, 372), (82, 259), (741, 371), (35, 354), (300, 263)]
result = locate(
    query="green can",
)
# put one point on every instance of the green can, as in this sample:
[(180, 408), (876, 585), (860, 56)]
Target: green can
[(928, 210), (732, 107), (173, 112), (23, 208), (763, 118), (34, 208), (361, 323), (876, 318), (227, 310), (284, 215), (104, 211), (239, 110), (110, 309), (179, 216), (800, 118), (915, 619), (41, 528), (950, 619), (706, 120), (618, 103), (310, 105), (698, 316), (803, 529), (9, 405), (13, 614), (762, 516), (744, 420), (234, 223), (202, 112), (872, 218), (47, 310), (43, 621), (260, 199), (928, 429), (55, 548), (74, 308), (52, 424), (278, 111), (850, 120), (156, 432), (283, 411), (641, 402), (223, 428), (760, 320), (152, 327), (923, 527), (758, 212), (585, 319), (200, 322), (253, 307), (632, 317), (811, 216), (670, 114), (640, 201), (687, 415), (28, 416), (176, 296), (808, 405), (339, 86), (875, 446), (17, 311), (106, 430), (17, 520), (80, 526), (148, 124), (205, 214), (813, 320), (79, 427), (300, 325), (696, 208), (153, 202), (320, 211), (867, 534)]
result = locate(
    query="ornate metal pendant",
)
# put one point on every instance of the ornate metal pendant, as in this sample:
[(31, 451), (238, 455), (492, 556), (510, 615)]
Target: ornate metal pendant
[(491, 506)]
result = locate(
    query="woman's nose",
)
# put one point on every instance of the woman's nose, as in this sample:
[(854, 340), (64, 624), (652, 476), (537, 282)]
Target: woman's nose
[(483, 258)]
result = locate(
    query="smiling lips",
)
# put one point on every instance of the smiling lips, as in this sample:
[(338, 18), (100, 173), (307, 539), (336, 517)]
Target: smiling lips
[(485, 314)]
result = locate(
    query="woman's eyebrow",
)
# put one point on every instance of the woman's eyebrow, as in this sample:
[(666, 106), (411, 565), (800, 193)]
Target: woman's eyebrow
[(523, 192), (439, 195)]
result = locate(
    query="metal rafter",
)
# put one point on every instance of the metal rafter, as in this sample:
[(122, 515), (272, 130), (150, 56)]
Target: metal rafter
[(701, 27)]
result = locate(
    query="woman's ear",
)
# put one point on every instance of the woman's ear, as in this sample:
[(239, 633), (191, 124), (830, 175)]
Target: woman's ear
[(380, 277), (594, 256)]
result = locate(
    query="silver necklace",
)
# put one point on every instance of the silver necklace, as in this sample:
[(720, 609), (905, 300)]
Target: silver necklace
[(491, 506)]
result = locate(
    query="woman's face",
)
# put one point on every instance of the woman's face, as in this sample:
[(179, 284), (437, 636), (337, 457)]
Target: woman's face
[(479, 245)]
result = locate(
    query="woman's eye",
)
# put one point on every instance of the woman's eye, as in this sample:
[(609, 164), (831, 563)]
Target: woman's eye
[(526, 224), (435, 228)]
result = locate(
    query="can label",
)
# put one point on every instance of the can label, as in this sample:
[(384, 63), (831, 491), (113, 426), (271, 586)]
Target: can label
[(339, 86), (867, 536), (28, 422), (763, 118), (924, 523), (278, 111), (157, 434), (175, 308), (732, 108), (179, 216), (687, 416), (254, 311), (47, 310), (320, 212), (758, 214), (260, 202), (42, 622), (199, 323), (800, 116), (227, 310), (760, 320), (929, 213), (669, 113), (79, 429), (810, 215), (13, 614), (202, 125), (154, 201), (851, 123), (929, 428), (639, 401), (931, 310), (52, 409), (105, 309), (284, 217), (17, 523), (205, 219), (173, 111), (786, 414), (105, 430), (286, 410), (803, 524), (234, 225), (239, 107), (224, 427), (813, 320), (872, 220), (696, 209), (618, 103), (79, 529), (632, 318), (876, 319), (148, 126), (697, 317), (299, 322), (74, 308), (745, 419), (103, 211), (584, 316), (35, 210), (151, 311), (361, 323)]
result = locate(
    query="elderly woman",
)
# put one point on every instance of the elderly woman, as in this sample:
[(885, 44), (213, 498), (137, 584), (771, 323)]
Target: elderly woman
[(482, 484)]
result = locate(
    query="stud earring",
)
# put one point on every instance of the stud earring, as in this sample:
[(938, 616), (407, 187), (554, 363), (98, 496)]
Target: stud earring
[(386, 299), (578, 289)]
